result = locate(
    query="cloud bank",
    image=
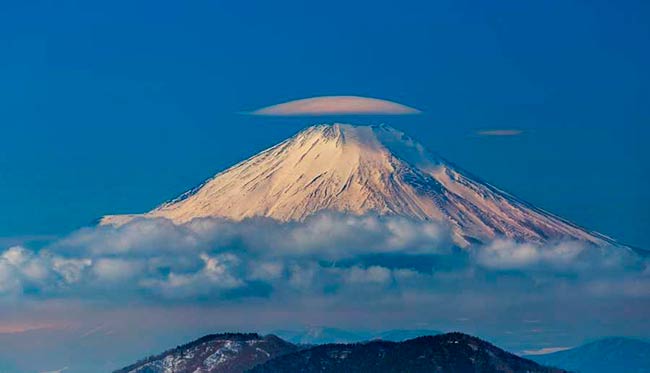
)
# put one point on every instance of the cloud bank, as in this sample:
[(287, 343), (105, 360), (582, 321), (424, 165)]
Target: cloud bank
[(336, 105), (329, 255), (153, 279)]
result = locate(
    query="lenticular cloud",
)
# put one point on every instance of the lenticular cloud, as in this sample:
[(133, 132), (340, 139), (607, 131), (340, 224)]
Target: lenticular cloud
[(336, 105)]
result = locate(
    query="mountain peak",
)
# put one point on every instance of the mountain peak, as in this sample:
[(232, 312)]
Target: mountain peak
[(359, 170), (224, 352), (373, 138)]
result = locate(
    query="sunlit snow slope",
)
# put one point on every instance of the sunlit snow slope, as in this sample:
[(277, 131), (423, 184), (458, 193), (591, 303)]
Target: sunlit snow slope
[(359, 170)]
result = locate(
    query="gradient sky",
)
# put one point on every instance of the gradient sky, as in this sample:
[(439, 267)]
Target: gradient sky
[(114, 107)]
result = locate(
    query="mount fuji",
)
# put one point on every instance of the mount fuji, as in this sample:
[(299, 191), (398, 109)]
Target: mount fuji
[(365, 170)]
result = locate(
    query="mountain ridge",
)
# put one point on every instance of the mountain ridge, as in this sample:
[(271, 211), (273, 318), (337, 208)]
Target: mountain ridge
[(449, 352), (234, 353), (324, 335), (222, 352), (613, 354)]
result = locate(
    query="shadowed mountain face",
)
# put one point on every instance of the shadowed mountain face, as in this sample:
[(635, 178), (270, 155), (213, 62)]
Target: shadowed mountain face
[(603, 356), (453, 352), (361, 170)]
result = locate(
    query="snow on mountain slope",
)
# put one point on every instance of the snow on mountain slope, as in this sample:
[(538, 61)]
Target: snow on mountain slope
[(228, 352), (361, 170)]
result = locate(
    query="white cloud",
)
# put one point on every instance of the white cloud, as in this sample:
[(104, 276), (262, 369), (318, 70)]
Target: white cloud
[(24, 270), (113, 269), (70, 269), (569, 256), (351, 272), (326, 255), (328, 235), (373, 274), (9, 280), (266, 271), (507, 254)]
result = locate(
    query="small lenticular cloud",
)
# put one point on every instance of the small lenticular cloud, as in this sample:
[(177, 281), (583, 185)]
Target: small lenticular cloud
[(336, 105), (500, 132)]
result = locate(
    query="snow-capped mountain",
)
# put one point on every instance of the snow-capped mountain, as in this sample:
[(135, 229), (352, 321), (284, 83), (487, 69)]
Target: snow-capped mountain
[(365, 170)]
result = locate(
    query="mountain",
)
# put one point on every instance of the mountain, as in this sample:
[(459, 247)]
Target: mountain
[(400, 335), (364, 170), (314, 336), (317, 335), (453, 352), (229, 352), (603, 356)]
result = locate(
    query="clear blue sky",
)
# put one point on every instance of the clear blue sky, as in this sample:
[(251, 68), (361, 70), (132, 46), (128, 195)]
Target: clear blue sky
[(113, 107)]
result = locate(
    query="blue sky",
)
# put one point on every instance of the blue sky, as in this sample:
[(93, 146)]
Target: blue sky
[(114, 107)]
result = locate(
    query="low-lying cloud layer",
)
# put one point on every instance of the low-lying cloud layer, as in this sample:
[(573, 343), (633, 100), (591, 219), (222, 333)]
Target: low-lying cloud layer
[(329, 255), (103, 290), (336, 105)]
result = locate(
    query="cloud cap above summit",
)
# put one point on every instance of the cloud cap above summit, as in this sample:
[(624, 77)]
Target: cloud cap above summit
[(336, 105)]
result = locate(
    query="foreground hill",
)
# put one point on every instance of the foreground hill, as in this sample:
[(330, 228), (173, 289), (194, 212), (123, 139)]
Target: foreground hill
[(452, 352), (228, 352), (603, 356), (361, 170)]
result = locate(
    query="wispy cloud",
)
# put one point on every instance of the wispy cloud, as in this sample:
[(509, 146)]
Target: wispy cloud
[(336, 105), (13, 328), (55, 371), (545, 350), (502, 132)]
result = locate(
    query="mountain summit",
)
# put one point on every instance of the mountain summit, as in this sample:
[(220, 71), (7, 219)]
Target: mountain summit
[(362, 170)]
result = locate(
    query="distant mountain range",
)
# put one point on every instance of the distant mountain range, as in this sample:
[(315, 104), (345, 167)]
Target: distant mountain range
[(318, 335), (602, 356), (235, 353)]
